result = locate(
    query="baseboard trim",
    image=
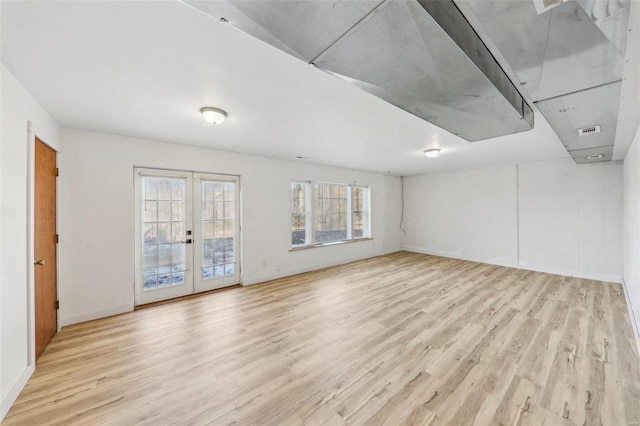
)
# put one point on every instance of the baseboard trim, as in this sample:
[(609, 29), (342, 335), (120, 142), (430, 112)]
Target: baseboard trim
[(566, 273), (90, 316), (423, 250), (271, 277), (394, 249), (635, 322), (187, 297), (13, 394), (597, 277), (117, 310)]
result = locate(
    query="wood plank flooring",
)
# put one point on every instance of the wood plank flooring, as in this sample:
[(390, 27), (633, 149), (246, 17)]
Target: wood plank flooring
[(401, 339)]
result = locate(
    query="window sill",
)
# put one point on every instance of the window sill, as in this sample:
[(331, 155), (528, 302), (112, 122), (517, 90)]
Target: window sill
[(336, 243)]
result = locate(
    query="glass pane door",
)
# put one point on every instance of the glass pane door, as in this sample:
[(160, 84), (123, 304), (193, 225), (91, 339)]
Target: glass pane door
[(217, 231), (163, 226)]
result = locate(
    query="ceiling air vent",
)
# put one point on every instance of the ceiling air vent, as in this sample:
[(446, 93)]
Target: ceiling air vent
[(595, 157), (591, 130)]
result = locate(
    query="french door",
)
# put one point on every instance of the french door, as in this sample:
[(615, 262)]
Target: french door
[(187, 233)]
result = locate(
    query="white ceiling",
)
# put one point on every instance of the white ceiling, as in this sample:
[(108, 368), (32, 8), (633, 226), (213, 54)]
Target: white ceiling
[(144, 69)]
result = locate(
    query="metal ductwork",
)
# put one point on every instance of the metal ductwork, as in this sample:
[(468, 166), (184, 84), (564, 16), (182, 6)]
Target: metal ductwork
[(570, 60), (422, 56)]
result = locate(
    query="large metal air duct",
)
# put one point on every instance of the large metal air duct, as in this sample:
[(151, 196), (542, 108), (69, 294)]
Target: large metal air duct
[(570, 59), (422, 56)]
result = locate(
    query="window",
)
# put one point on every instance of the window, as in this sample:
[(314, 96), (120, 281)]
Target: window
[(338, 213), (299, 202), (360, 206), (331, 213)]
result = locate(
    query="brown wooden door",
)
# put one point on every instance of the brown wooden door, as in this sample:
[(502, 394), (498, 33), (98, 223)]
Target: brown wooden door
[(45, 266)]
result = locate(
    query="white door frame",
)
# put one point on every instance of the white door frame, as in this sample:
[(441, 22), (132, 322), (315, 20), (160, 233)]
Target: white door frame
[(195, 285), (33, 132), (170, 292), (201, 285)]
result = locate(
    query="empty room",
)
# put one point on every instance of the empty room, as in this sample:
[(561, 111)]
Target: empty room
[(320, 212)]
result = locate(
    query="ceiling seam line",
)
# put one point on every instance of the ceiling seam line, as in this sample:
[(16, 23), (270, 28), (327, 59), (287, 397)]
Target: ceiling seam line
[(578, 91), (360, 21)]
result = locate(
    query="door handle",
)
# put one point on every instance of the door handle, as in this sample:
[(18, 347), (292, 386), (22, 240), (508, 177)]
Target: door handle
[(39, 262), (187, 241)]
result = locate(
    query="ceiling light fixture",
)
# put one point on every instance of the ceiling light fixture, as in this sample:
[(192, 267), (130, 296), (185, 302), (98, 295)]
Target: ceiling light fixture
[(432, 153), (213, 115)]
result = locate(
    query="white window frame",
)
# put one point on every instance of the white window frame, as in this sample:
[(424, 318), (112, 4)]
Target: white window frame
[(309, 236), (193, 221), (366, 212), (200, 284), (310, 222), (142, 297)]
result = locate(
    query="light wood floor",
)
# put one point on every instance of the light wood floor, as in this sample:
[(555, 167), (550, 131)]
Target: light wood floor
[(398, 339)]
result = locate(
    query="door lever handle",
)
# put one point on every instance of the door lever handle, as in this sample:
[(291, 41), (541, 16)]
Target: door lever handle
[(187, 241), (39, 262)]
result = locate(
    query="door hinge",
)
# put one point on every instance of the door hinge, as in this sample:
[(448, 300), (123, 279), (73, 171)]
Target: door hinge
[(57, 172), (57, 304), (57, 238)]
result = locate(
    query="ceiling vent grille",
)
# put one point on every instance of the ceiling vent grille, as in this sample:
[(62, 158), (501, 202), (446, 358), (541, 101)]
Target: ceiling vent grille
[(595, 157), (591, 130)]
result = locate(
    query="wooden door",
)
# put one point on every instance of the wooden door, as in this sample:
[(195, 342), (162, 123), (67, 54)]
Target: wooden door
[(45, 265)]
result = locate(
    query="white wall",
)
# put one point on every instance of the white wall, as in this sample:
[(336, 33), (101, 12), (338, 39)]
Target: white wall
[(96, 218), (553, 216), (632, 229), (392, 202), (18, 108), (467, 214), (571, 218), (2, 399), (631, 112)]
